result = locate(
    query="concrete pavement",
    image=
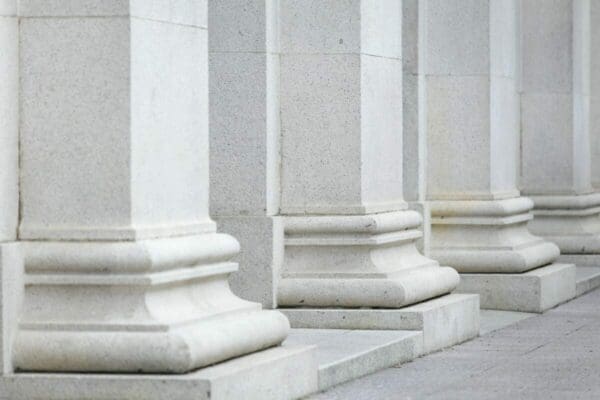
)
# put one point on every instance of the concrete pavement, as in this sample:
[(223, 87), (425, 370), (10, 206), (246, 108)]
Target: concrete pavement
[(551, 356)]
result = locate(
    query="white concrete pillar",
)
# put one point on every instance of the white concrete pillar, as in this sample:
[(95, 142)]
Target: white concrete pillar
[(9, 120), (10, 261), (244, 139), (479, 219), (349, 238), (595, 92), (555, 123), (414, 146), (124, 270)]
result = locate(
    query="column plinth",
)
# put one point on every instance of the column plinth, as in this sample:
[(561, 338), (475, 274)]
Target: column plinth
[(160, 305), (359, 261), (571, 222), (488, 236)]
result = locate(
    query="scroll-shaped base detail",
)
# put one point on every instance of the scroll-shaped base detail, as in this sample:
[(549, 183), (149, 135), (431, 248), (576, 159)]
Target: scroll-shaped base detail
[(155, 306), (488, 236), (572, 222), (359, 261)]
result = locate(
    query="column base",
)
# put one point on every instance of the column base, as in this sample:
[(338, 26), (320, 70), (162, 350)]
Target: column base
[(534, 291), (358, 261), (487, 236), (156, 306), (572, 222), (445, 321), (286, 372)]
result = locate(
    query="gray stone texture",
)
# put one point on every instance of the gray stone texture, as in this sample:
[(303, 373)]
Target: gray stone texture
[(553, 356)]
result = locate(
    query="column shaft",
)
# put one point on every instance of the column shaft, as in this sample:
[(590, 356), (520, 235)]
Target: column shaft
[(244, 139), (10, 260)]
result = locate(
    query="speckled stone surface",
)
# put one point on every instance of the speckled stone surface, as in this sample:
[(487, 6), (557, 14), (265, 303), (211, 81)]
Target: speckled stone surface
[(257, 376), (552, 356), (343, 355), (445, 320), (534, 291)]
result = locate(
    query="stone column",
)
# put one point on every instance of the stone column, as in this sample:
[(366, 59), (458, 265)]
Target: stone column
[(349, 239), (244, 139), (555, 123), (595, 92), (479, 219), (414, 145), (326, 78), (10, 266), (124, 269)]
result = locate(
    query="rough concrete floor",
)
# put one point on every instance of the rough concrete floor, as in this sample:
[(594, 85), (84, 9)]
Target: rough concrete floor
[(552, 356)]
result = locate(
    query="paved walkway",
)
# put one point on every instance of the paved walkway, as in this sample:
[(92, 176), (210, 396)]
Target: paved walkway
[(552, 356)]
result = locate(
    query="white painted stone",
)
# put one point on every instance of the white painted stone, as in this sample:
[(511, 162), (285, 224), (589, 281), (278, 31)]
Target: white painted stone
[(158, 306), (184, 12), (351, 100), (479, 221), (588, 277), (124, 271), (8, 8), (337, 96), (243, 26), (244, 134), (547, 116), (458, 139), (556, 124), (341, 27), (445, 321), (11, 297), (534, 291), (245, 139), (341, 111), (258, 376), (261, 240), (569, 221), (344, 355), (595, 92), (9, 121), (414, 116), (472, 104)]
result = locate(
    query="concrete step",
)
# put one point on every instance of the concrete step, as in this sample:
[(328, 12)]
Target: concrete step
[(588, 278), (343, 355)]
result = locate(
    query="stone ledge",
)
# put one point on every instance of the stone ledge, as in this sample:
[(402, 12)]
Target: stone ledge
[(587, 276), (344, 355), (534, 291), (445, 321), (258, 376)]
